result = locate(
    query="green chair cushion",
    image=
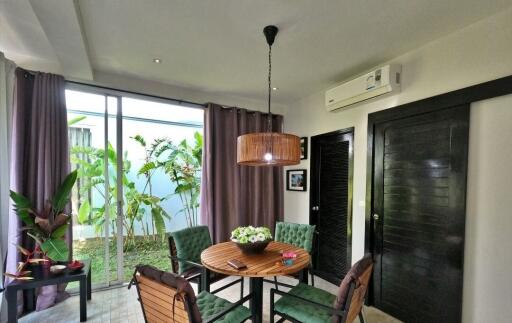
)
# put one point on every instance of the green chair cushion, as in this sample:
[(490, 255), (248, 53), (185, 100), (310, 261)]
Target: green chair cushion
[(300, 235), (190, 242), (209, 305), (303, 311)]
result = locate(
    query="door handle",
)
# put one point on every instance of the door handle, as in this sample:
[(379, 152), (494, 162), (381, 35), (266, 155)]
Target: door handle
[(315, 208), (376, 217)]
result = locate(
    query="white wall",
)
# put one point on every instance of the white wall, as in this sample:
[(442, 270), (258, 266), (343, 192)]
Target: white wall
[(475, 54), (488, 259)]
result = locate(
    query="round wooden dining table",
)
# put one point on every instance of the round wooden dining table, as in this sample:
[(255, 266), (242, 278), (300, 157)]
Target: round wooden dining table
[(266, 264)]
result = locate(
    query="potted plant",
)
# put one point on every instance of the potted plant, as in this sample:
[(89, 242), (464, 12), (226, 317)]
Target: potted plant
[(251, 240), (48, 226)]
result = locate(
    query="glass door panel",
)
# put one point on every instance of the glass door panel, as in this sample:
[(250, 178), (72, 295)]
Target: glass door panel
[(152, 134), (90, 197), (114, 155)]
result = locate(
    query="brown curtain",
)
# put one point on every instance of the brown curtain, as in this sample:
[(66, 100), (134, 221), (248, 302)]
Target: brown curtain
[(233, 195), (39, 158)]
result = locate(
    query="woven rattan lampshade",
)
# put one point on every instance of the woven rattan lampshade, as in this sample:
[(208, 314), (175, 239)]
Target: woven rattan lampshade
[(268, 149)]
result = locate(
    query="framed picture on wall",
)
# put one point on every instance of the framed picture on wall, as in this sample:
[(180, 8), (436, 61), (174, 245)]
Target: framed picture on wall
[(304, 148), (296, 180)]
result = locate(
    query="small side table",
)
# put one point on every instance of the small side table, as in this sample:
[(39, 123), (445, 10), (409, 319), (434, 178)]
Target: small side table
[(44, 277)]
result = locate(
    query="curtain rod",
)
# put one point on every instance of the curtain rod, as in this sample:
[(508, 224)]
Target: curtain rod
[(180, 102), (238, 110), (27, 73), (199, 105)]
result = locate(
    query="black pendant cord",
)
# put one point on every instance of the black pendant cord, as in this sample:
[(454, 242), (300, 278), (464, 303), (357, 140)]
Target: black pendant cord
[(270, 33), (269, 87)]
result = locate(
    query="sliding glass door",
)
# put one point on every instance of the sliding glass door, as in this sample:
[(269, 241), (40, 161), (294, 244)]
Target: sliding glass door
[(139, 164), (162, 144), (92, 124)]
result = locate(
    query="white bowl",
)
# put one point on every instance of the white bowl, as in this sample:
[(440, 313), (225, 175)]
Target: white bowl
[(57, 269)]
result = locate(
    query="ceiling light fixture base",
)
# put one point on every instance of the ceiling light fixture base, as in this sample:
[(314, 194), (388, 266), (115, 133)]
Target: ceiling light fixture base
[(270, 33)]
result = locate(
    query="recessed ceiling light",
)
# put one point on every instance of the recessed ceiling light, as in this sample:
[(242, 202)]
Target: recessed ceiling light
[(275, 88), (157, 60)]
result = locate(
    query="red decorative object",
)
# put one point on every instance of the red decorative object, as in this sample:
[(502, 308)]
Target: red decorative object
[(75, 265), (288, 258)]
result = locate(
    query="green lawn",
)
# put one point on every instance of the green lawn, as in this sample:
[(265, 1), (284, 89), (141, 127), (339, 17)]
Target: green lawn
[(146, 251)]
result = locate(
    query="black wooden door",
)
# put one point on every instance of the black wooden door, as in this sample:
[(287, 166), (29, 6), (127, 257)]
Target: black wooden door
[(419, 189), (331, 203)]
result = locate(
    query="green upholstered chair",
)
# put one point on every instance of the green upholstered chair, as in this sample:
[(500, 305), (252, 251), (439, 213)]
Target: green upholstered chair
[(167, 297), (305, 303), (299, 235), (185, 247)]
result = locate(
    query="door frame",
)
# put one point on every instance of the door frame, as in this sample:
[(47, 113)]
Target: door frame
[(468, 95), (312, 194)]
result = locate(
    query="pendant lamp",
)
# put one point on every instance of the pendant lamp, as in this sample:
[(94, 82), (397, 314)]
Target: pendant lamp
[(268, 148)]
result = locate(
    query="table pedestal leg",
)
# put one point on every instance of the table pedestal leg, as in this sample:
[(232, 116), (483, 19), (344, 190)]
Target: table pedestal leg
[(89, 285), (30, 296), (83, 299), (205, 280), (12, 305), (256, 303)]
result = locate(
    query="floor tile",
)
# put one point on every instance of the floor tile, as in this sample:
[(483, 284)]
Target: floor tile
[(121, 305)]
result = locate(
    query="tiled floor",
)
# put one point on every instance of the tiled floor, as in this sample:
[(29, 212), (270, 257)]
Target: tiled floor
[(121, 305)]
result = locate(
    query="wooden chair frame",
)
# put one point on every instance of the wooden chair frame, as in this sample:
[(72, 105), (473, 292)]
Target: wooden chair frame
[(343, 314), (353, 306), (200, 281), (186, 305), (199, 278)]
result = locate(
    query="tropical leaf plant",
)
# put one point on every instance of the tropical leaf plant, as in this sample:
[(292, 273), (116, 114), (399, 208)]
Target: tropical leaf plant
[(49, 225), (76, 120), (21, 273), (90, 163), (92, 171), (182, 164), (148, 169)]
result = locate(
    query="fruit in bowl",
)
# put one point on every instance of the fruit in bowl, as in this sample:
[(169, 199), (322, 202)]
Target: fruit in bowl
[(75, 265)]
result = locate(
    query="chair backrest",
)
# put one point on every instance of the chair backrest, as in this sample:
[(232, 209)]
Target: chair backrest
[(175, 266), (187, 244), (165, 297), (300, 235), (358, 296), (352, 290)]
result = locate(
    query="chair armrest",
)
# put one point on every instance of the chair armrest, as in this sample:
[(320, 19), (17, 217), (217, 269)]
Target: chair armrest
[(227, 310), (191, 277), (331, 310), (195, 264)]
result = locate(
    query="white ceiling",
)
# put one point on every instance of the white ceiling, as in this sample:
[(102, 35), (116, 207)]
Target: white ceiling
[(22, 38), (218, 46)]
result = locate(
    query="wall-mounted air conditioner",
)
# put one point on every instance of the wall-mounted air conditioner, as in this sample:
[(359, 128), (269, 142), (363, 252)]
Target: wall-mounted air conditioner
[(385, 79)]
